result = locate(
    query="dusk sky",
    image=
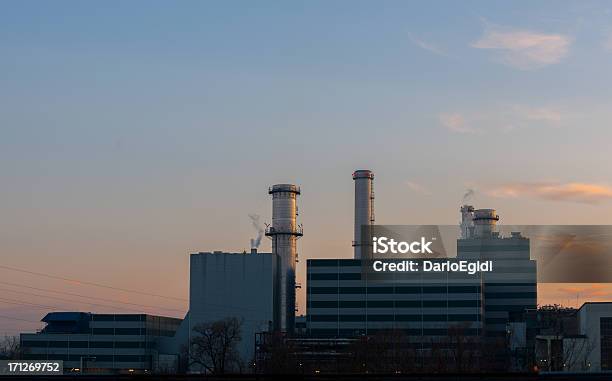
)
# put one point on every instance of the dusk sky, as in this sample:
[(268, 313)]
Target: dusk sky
[(134, 133)]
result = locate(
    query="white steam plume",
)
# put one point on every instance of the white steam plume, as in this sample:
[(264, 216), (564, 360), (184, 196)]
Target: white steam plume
[(255, 242)]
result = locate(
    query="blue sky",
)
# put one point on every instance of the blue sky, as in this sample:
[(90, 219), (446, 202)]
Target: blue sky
[(133, 133)]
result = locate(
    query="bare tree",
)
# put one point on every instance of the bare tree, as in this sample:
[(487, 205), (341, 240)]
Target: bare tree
[(10, 348), (281, 354), (386, 351), (576, 353), (214, 346), (462, 351), (569, 350)]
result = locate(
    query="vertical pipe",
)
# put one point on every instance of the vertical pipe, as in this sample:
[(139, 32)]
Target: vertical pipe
[(467, 221)]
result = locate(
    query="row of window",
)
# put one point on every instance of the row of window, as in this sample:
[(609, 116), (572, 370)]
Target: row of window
[(335, 276), (89, 359), (357, 276), (396, 290), (509, 308), (333, 262), (323, 332), (119, 331), (393, 303), (511, 295), (496, 321), (119, 317), (161, 332), (397, 318), (84, 344)]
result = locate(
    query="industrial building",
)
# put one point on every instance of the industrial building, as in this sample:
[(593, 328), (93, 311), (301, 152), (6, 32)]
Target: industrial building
[(256, 288), (101, 343), (237, 285), (575, 340), (342, 302), (596, 324), (512, 288), (345, 304)]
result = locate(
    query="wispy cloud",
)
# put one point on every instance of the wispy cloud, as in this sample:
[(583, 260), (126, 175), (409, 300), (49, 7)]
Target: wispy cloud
[(524, 49), (455, 122), (426, 45), (545, 114), (418, 188), (573, 294), (502, 118), (573, 192), (589, 291), (607, 44)]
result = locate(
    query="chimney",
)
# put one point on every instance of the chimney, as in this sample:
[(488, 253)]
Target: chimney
[(364, 208), (485, 221), (284, 233)]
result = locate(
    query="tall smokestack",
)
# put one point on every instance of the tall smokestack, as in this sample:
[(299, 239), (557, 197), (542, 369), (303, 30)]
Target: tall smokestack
[(364, 208), (284, 233)]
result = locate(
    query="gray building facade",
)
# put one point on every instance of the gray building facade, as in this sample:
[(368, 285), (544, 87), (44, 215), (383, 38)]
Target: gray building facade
[(511, 288), (241, 285), (342, 302)]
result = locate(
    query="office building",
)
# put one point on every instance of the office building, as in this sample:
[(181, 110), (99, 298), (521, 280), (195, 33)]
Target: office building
[(341, 302), (100, 343)]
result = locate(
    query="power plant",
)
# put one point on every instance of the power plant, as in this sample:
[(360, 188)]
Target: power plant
[(344, 304)]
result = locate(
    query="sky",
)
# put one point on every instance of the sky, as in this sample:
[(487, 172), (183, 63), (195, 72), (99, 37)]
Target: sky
[(135, 133)]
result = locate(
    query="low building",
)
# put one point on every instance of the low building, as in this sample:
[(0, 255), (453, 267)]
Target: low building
[(582, 342), (100, 343), (595, 319)]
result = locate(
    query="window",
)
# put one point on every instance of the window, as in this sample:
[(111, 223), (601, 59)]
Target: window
[(35, 344), (129, 318), (323, 304), (102, 331), (58, 344), (103, 317), (101, 344), (129, 331)]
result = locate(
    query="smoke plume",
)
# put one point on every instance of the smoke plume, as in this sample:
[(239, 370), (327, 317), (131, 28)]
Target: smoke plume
[(468, 195), (255, 242)]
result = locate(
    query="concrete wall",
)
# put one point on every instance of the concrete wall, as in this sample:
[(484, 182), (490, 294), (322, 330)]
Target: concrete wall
[(590, 315), (233, 285)]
